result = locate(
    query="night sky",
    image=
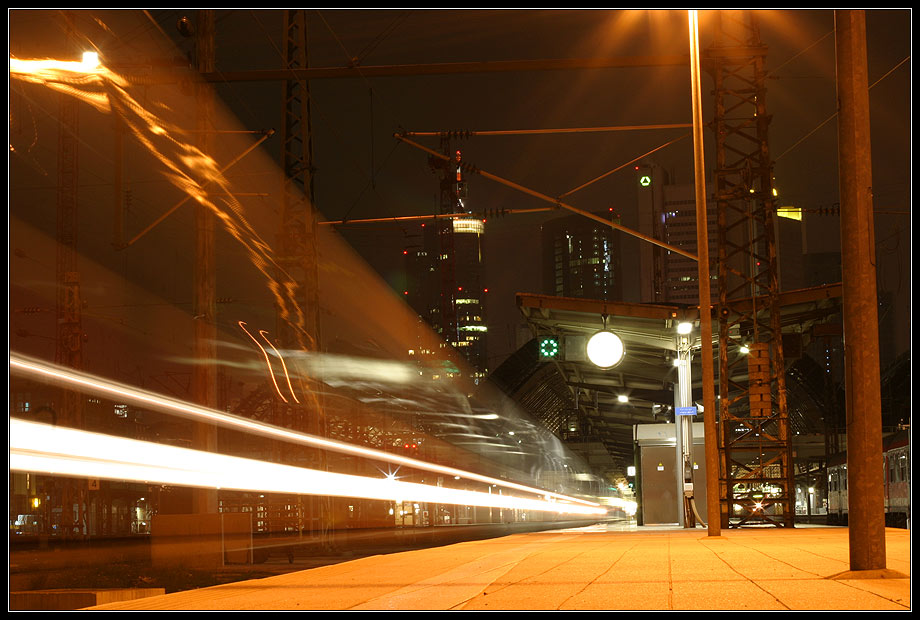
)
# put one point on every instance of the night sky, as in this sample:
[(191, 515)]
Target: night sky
[(363, 172)]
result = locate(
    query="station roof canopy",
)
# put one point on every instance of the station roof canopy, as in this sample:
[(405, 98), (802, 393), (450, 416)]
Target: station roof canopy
[(588, 405)]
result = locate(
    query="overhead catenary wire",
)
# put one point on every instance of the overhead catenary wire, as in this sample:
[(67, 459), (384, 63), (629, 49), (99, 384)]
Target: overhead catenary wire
[(834, 115), (437, 216), (266, 134), (556, 201), (518, 132)]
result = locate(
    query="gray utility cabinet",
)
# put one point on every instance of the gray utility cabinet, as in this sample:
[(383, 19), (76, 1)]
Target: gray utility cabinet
[(659, 491)]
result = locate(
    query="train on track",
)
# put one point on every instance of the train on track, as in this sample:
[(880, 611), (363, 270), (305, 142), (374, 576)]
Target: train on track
[(896, 455)]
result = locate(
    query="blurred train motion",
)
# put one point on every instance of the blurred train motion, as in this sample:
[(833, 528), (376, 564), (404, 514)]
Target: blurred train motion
[(896, 457), (382, 462), (299, 417)]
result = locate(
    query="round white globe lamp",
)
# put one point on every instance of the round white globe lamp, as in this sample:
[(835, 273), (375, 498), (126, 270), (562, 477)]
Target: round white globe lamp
[(605, 349)]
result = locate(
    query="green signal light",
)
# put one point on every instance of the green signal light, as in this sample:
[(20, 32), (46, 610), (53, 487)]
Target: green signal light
[(549, 348), (645, 180)]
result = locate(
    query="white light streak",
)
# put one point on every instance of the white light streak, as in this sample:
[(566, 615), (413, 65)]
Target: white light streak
[(41, 448), (49, 68), (41, 370)]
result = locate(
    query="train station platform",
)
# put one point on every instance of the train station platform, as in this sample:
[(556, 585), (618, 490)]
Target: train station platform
[(602, 567)]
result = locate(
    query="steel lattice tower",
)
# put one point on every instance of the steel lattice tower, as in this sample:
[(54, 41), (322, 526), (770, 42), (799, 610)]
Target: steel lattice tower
[(298, 325), (755, 443), (298, 220)]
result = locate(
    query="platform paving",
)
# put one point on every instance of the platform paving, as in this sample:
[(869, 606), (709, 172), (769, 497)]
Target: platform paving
[(595, 568)]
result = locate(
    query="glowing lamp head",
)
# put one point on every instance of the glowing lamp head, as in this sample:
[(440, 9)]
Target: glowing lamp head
[(684, 328), (90, 60), (605, 349)]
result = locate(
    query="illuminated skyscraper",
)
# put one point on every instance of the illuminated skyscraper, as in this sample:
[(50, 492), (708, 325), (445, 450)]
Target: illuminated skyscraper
[(444, 270), (581, 258), (667, 212)]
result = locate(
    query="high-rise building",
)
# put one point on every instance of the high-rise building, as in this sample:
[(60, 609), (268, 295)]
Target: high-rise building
[(444, 270), (581, 258), (667, 212)]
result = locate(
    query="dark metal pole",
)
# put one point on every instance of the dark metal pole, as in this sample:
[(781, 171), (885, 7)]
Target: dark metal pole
[(865, 474)]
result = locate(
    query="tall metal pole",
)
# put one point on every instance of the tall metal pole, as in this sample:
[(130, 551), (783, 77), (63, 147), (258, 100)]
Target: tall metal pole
[(69, 341), (297, 238), (204, 374), (299, 326), (865, 474), (702, 250)]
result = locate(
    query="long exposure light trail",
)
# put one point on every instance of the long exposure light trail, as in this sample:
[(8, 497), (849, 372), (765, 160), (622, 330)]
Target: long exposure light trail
[(41, 448), (44, 371), (184, 165), (287, 376), (192, 171), (268, 363), (50, 66)]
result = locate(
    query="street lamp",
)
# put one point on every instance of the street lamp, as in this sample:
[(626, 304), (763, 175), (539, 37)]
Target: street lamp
[(709, 421)]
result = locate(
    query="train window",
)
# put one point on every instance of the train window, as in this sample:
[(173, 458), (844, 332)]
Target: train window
[(892, 471), (902, 466)]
